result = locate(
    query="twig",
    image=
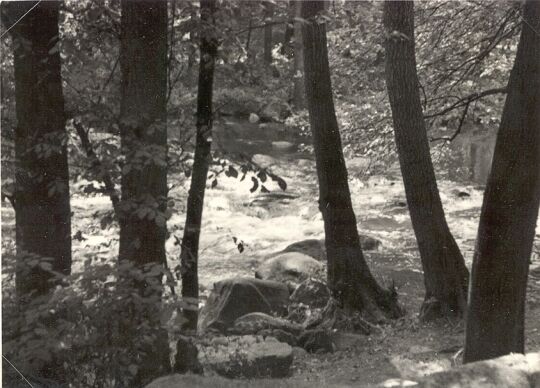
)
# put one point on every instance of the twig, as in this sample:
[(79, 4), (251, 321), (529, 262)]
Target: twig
[(464, 101)]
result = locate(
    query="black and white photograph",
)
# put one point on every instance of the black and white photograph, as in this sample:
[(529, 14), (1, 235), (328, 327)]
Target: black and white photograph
[(270, 193)]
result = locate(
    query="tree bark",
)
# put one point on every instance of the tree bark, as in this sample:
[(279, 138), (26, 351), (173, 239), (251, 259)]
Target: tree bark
[(143, 131), (349, 277), (268, 15), (42, 208), (299, 92), (195, 202), (445, 273), (495, 318)]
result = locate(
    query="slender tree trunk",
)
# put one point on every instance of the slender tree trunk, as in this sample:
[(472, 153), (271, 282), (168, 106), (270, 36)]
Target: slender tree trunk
[(43, 214), (268, 15), (445, 273), (495, 317), (349, 277), (289, 31), (143, 131), (190, 243), (299, 92)]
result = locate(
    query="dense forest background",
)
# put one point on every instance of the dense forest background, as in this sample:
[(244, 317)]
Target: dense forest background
[(158, 157)]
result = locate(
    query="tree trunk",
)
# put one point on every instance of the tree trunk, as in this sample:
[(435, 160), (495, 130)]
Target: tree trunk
[(43, 214), (268, 15), (299, 92), (445, 273), (190, 242), (143, 131), (495, 317), (349, 277)]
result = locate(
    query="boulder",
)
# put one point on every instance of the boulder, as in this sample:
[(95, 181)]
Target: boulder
[(253, 323), (312, 293), (249, 357), (310, 247), (291, 267), (316, 248), (263, 161), (232, 298)]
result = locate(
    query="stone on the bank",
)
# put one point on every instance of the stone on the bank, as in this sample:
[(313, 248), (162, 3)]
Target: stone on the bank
[(232, 298), (263, 358)]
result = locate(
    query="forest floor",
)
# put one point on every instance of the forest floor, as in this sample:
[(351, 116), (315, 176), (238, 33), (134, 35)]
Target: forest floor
[(267, 223)]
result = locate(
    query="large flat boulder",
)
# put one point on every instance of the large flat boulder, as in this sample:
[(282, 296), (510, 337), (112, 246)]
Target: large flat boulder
[(290, 267), (232, 298), (249, 357)]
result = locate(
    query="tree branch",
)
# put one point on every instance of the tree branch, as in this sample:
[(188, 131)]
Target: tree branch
[(103, 174), (466, 101)]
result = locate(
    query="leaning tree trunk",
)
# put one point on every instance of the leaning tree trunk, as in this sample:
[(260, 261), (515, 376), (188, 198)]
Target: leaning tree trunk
[(190, 243), (445, 273), (495, 317), (349, 277), (143, 131), (43, 215)]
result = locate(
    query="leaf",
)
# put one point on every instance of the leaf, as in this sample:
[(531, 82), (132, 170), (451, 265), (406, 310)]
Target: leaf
[(232, 172), (281, 183), (262, 176), (264, 189), (255, 185), (214, 183)]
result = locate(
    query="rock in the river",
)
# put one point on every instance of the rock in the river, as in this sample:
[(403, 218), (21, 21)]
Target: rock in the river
[(316, 248), (283, 145), (312, 293), (369, 243), (310, 247), (290, 267), (250, 357), (253, 118), (232, 298), (263, 161)]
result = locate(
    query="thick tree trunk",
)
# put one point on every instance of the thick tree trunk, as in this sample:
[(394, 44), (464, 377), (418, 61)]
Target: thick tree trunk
[(299, 92), (445, 273), (495, 317), (190, 243), (143, 131), (43, 219), (349, 277), (268, 42)]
